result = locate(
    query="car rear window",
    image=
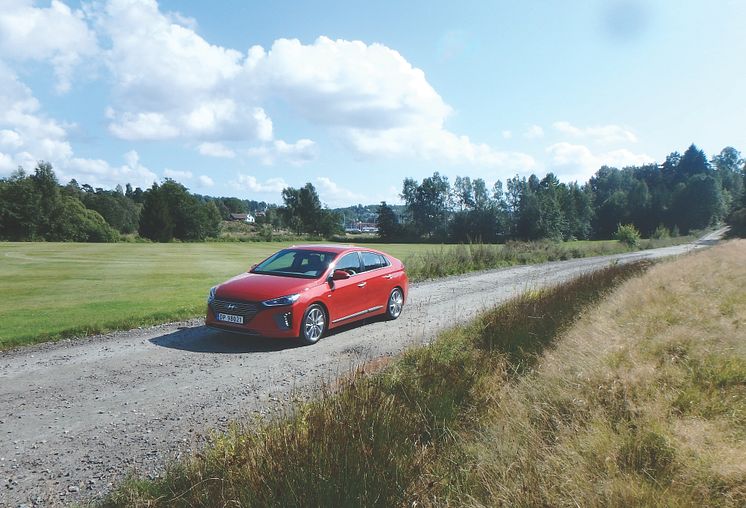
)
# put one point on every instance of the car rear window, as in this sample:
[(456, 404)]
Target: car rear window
[(372, 260)]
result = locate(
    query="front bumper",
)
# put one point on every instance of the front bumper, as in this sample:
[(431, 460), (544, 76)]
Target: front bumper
[(277, 322)]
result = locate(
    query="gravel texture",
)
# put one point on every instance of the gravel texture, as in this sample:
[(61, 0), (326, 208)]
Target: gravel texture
[(78, 415)]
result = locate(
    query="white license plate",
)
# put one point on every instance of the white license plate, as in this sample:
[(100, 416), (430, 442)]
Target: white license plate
[(230, 318)]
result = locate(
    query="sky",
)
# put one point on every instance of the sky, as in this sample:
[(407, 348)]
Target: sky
[(242, 98)]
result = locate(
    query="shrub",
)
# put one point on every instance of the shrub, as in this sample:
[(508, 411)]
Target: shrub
[(661, 232), (627, 234), (737, 223)]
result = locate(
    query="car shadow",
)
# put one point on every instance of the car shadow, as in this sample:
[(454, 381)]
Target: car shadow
[(202, 339)]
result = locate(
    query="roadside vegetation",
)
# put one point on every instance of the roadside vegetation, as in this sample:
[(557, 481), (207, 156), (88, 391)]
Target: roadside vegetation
[(567, 396), (63, 290)]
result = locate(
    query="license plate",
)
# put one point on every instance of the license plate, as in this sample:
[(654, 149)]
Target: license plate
[(230, 318)]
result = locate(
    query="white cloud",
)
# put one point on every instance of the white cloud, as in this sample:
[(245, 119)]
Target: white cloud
[(438, 145), (298, 153), (216, 150), (177, 175), (534, 132), (602, 133), (334, 195), (99, 173), (507, 134), (248, 182), (171, 82), (578, 162), (56, 34), (26, 134), (206, 181)]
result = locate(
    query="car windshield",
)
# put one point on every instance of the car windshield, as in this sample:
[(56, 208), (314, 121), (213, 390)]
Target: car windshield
[(307, 264)]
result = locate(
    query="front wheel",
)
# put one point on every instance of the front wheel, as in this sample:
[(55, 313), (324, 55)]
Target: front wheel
[(395, 304), (313, 325)]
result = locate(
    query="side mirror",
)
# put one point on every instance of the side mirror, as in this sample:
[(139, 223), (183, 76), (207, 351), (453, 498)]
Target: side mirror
[(251, 268), (340, 275)]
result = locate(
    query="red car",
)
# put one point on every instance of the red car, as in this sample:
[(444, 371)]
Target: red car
[(303, 291)]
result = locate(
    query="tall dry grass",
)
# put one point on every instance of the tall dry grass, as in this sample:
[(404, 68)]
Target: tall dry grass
[(463, 258), (641, 403)]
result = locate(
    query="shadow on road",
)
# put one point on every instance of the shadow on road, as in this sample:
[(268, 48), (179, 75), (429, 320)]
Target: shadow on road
[(201, 339)]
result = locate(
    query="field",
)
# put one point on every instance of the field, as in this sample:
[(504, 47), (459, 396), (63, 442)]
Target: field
[(54, 290), (62, 289), (625, 387)]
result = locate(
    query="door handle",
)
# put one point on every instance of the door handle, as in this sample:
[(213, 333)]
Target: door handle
[(389, 276), (362, 284)]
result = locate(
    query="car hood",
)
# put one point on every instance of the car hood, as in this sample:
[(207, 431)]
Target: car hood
[(255, 287)]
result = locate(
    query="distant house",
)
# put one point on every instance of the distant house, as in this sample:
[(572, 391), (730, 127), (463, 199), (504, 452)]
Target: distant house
[(245, 217)]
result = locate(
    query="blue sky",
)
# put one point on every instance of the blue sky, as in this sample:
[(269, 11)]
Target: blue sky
[(243, 98)]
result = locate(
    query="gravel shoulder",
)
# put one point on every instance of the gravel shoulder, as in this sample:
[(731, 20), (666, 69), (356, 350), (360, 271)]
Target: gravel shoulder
[(76, 416)]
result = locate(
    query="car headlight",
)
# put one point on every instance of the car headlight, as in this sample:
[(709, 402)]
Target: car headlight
[(283, 300), (211, 296)]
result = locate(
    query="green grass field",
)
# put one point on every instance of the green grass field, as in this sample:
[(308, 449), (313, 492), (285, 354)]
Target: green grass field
[(57, 290)]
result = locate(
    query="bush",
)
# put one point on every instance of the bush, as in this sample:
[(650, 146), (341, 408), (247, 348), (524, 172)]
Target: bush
[(737, 223), (661, 232), (628, 235)]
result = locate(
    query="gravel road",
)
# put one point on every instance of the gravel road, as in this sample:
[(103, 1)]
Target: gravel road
[(76, 416)]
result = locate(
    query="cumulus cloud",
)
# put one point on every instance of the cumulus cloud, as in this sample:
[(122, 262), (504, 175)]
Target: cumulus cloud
[(216, 150), (26, 134), (438, 145), (578, 162), (601, 133), (249, 182), (172, 83), (298, 153), (55, 34), (333, 194), (206, 181), (100, 173)]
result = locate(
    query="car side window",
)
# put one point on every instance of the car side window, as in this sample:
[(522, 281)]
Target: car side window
[(350, 263), (371, 261)]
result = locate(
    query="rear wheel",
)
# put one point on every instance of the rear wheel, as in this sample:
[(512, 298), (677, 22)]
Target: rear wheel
[(313, 325), (395, 304)]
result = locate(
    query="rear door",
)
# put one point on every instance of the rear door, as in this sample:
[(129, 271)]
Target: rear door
[(378, 281)]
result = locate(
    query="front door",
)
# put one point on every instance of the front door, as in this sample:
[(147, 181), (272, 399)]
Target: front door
[(348, 296)]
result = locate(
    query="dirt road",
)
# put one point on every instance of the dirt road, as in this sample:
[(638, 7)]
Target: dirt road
[(76, 416)]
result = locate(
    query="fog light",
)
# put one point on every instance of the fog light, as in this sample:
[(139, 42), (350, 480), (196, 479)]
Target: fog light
[(284, 320)]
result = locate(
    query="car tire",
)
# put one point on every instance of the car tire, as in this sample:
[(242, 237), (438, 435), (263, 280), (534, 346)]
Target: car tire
[(395, 304), (313, 326)]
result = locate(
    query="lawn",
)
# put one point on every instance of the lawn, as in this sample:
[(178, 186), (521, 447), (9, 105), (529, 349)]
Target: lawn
[(53, 290)]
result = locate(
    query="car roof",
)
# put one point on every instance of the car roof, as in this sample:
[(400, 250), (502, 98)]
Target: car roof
[(328, 247)]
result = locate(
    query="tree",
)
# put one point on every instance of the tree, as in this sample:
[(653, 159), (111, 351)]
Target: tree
[(156, 222), (428, 205), (387, 223), (304, 213)]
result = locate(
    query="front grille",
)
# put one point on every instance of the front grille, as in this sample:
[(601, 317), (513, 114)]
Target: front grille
[(246, 309)]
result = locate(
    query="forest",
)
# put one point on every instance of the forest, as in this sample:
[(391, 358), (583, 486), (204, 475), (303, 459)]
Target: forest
[(686, 192)]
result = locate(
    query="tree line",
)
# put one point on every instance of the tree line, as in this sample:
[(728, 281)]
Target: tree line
[(36, 207), (687, 192)]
